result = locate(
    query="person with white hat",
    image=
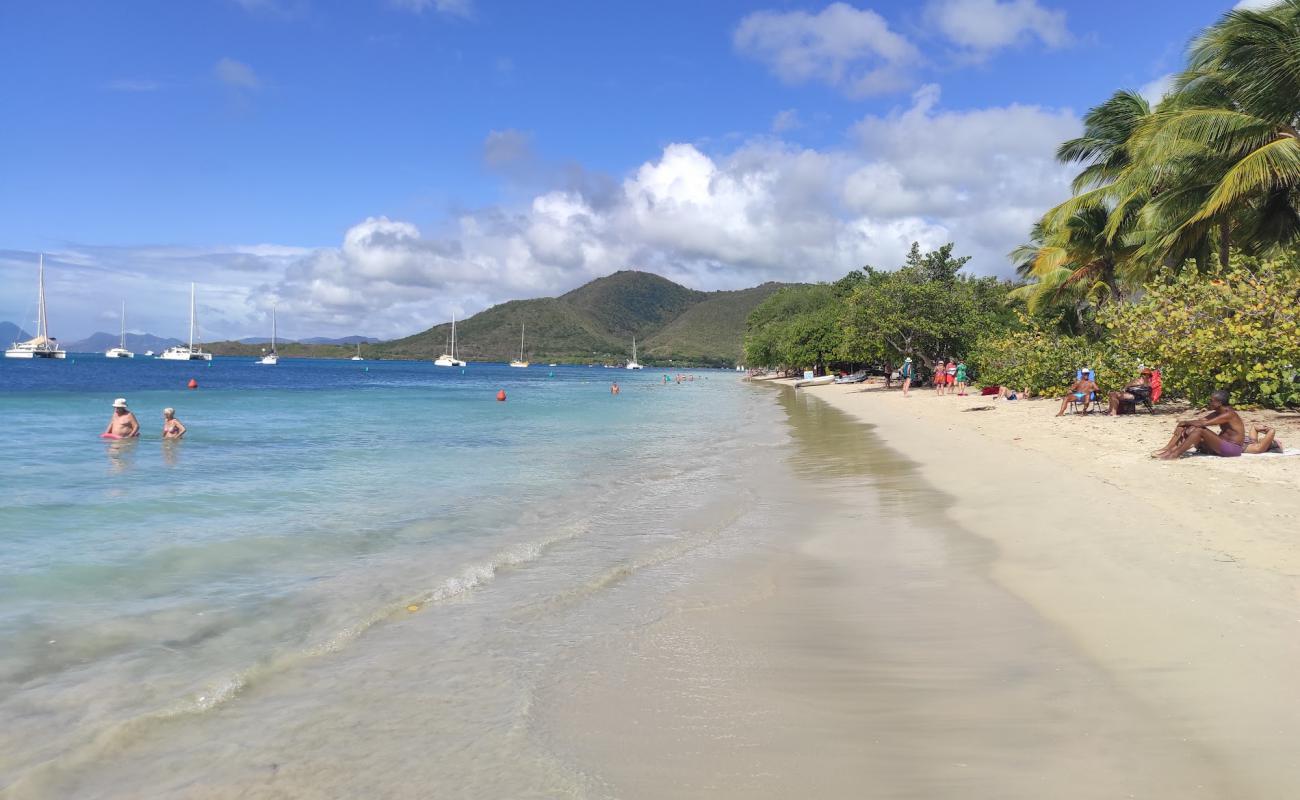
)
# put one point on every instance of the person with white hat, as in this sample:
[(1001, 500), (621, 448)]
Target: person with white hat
[(907, 373), (123, 425)]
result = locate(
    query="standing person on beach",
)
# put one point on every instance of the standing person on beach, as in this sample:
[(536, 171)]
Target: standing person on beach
[(1229, 442), (906, 374), (123, 425), (961, 378), (940, 376), (951, 370), (172, 427)]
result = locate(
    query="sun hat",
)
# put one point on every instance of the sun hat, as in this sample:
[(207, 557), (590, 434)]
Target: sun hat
[(909, 358), (119, 402)]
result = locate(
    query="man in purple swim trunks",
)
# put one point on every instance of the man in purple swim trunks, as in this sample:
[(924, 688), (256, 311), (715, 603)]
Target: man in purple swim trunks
[(1228, 442)]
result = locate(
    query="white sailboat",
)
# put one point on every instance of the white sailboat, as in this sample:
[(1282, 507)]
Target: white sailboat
[(271, 358), (42, 346), (519, 362), (181, 352), (449, 359), (633, 363), (120, 351), (358, 357)]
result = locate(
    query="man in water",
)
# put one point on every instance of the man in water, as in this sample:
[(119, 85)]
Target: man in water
[(1189, 433), (172, 427), (1082, 390), (613, 388), (123, 425)]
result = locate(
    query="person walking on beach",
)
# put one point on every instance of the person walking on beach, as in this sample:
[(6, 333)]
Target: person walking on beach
[(123, 424), (951, 370), (172, 427), (906, 374), (960, 372), (1229, 442), (940, 376)]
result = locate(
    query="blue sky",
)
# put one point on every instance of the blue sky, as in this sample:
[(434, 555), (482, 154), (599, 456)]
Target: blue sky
[(372, 166)]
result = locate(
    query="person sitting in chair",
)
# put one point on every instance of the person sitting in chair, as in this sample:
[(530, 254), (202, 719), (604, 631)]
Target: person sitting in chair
[(1081, 390), (1135, 390)]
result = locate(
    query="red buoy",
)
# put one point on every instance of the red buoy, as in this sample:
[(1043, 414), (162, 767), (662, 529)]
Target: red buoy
[(501, 396), (193, 384)]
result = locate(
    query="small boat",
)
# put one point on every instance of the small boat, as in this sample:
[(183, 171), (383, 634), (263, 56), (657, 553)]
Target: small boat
[(42, 346), (120, 351), (272, 358), (818, 381), (358, 357), (552, 365), (191, 352), (148, 353), (519, 362), (449, 359), (633, 364)]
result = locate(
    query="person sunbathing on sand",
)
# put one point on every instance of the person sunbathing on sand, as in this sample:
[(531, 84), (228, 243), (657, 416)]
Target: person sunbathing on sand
[(1081, 390), (1229, 442), (1007, 393), (1262, 439)]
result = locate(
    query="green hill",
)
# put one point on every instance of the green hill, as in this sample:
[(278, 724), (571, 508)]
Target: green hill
[(595, 323)]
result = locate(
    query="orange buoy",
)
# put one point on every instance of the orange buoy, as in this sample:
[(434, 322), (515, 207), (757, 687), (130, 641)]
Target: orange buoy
[(193, 384), (501, 396)]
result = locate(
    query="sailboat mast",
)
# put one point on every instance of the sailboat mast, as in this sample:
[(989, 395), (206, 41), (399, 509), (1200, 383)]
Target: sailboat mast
[(121, 342), (42, 325), (191, 316), (453, 336), (272, 329), (521, 341)]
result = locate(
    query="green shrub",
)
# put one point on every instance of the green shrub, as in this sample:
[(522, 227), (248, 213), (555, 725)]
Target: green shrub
[(1046, 362)]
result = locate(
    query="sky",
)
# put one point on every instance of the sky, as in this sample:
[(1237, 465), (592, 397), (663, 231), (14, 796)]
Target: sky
[(374, 166)]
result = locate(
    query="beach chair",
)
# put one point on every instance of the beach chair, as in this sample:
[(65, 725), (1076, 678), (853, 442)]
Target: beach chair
[(1148, 399), (1076, 403)]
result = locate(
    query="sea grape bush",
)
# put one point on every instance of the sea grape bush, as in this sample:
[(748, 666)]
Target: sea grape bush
[(1236, 329), (1045, 362)]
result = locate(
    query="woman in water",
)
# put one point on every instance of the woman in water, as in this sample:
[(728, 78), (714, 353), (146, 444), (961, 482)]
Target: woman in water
[(172, 427)]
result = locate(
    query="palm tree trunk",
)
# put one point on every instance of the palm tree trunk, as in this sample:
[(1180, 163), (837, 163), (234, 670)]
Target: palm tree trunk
[(1224, 241)]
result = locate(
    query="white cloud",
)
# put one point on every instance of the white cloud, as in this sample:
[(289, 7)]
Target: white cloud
[(981, 27), (1156, 89), (236, 74), (1254, 5), (851, 49), (786, 120), (455, 8), (763, 210)]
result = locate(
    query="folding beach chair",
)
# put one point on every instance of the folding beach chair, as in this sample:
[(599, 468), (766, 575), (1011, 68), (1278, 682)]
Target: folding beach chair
[(1076, 402), (1148, 397)]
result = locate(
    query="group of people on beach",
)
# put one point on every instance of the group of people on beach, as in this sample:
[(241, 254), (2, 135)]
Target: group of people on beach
[(124, 425), (949, 376)]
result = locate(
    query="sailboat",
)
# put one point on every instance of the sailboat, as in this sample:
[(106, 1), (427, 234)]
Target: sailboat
[(449, 359), (633, 363), (42, 346), (120, 351), (519, 362), (271, 358), (181, 352), (358, 357)]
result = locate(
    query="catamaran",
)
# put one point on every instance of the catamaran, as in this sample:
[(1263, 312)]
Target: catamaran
[(358, 357), (633, 363), (120, 351), (449, 359), (271, 358), (519, 362), (42, 346), (181, 352)]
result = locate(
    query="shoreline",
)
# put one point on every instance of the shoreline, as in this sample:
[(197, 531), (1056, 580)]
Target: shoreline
[(1180, 580)]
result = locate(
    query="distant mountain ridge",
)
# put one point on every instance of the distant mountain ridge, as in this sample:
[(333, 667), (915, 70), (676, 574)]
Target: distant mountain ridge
[(595, 323), (135, 342), (10, 333)]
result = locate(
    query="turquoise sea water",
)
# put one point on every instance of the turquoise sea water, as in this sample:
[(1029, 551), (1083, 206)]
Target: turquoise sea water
[(311, 504)]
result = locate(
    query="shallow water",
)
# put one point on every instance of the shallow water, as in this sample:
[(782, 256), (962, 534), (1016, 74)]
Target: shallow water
[(264, 565)]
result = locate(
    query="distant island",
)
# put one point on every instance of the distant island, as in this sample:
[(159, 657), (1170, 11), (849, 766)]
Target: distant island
[(594, 323)]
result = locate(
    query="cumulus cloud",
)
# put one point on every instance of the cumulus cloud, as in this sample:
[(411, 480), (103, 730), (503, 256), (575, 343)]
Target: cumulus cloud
[(851, 49), (1254, 5), (763, 210), (982, 27), (1156, 89), (236, 74), (455, 8)]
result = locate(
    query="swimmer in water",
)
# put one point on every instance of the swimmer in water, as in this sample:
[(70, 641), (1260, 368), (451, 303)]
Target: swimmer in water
[(123, 424), (172, 427), (613, 388)]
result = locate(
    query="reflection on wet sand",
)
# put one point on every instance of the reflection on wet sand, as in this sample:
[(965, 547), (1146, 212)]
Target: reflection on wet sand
[(872, 656)]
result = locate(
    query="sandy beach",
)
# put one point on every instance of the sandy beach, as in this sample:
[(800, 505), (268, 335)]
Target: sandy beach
[(1180, 580)]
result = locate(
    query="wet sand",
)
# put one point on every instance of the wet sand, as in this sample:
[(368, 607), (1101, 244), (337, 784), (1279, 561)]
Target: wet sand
[(880, 651)]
